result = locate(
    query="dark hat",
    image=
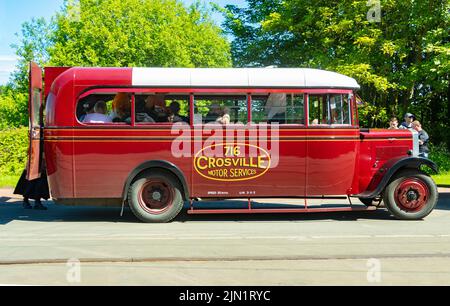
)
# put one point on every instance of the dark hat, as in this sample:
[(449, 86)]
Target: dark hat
[(409, 115)]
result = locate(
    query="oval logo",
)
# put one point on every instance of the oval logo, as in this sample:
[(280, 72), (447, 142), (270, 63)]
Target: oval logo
[(232, 162)]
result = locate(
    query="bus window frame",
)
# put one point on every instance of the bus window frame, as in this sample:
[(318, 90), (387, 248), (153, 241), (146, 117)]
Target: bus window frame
[(287, 92), (191, 92), (133, 92), (353, 121), (241, 93), (104, 125)]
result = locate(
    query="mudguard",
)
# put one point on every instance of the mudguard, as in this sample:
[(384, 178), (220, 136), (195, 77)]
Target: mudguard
[(389, 169), (157, 164)]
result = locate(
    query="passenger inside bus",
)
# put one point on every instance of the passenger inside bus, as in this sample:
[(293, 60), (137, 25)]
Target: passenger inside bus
[(220, 109), (141, 115), (99, 115), (87, 109), (121, 108), (225, 118), (155, 108), (214, 113), (174, 113), (276, 108), (280, 108)]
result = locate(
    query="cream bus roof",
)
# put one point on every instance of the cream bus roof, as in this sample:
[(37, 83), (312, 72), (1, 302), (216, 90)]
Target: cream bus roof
[(242, 78)]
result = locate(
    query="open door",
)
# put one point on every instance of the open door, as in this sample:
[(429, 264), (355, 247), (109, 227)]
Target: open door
[(35, 132)]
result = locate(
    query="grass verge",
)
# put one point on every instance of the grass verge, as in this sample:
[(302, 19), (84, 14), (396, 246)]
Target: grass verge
[(8, 181), (442, 179)]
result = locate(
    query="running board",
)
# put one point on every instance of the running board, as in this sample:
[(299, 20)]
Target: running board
[(278, 211)]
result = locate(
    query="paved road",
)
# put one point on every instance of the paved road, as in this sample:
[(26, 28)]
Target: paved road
[(368, 248)]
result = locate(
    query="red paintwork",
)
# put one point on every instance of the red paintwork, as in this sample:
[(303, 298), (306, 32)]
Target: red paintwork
[(50, 74), (95, 162)]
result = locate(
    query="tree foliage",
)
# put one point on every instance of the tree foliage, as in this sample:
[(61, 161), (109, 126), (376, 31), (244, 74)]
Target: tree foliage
[(402, 62), (13, 108), (116, 33), (13, 151)]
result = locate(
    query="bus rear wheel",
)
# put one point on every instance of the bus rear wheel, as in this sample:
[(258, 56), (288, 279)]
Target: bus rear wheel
[(155, 197), (411, 195)]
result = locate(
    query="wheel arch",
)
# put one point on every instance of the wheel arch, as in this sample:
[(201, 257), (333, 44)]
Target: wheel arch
[(157, 165), (385, 175)]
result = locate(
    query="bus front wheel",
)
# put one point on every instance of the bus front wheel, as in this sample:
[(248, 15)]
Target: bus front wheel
[(155, 197), (411, 195)]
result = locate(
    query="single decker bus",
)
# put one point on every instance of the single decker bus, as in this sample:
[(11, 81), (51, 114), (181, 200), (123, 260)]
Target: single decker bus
[(157, 138)]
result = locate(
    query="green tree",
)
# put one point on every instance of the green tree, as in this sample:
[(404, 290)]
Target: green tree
[(401, 62), (13, 108), (33, 45), (117, 33), (162, 33)]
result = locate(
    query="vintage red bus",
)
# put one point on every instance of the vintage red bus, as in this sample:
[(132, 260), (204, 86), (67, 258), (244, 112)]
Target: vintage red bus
[(156, 138)]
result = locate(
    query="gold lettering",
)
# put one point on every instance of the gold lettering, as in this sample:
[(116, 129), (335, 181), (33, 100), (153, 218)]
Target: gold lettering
[(211, 163), (199, 160)]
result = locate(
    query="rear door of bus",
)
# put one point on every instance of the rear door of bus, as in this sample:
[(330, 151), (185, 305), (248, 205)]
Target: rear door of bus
[(35, 123)]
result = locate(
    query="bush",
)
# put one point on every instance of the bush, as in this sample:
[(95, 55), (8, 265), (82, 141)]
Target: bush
[(371, 116), (13, 151), (441, 156), (13, 109)]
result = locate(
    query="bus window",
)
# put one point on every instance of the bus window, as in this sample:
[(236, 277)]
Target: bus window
[(105, 108), (329, 110), (278, 108), (221, 109), (162, 108), (343, 110), (318, 109)]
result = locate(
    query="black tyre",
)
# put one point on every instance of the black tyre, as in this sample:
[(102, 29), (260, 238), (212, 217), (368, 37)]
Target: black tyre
[(411, 195), (155, 197)]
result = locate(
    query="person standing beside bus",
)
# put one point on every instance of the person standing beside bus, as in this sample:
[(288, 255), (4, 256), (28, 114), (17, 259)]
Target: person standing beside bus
[(423, 139), (407, 124), (393, 124), (36, 190)]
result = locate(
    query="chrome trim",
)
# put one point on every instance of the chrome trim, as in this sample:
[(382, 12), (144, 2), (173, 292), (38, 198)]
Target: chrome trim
[(415, 143)]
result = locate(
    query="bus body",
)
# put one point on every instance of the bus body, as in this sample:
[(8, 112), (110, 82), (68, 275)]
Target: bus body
[(292, 133)]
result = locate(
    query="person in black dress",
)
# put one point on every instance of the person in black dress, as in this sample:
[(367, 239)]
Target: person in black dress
[(35, 190)]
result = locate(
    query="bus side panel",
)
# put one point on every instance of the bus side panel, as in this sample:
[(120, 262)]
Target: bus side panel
[(58, 146), (331, 161), (59, 159), (105, 158), (285, 178)]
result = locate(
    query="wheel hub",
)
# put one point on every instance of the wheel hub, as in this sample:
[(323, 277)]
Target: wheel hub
[(156, 196), (411, 195)]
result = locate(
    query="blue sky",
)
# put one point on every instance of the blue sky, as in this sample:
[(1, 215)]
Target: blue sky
[(15, 12)]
